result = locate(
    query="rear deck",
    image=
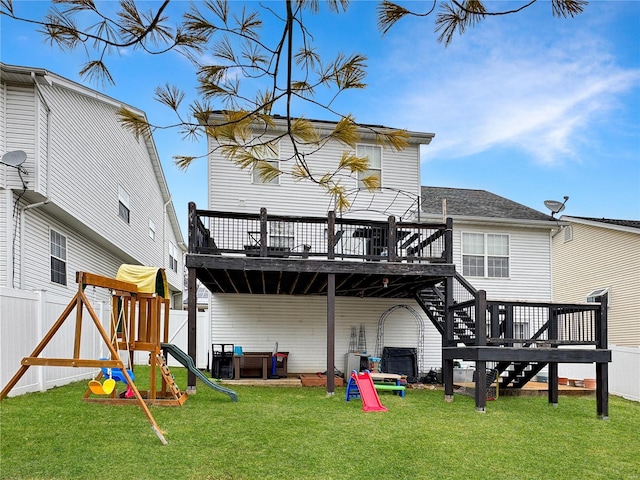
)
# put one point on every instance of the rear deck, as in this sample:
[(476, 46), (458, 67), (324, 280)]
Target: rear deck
[(282, 255)]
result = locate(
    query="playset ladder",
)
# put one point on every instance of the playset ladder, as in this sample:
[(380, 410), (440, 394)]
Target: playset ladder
[(168, 381)]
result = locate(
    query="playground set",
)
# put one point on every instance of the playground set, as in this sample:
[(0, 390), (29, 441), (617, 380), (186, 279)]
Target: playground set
[(139, 322), (361, 385)]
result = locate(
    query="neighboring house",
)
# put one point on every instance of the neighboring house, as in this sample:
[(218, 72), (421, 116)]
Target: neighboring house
[(90, 195), (592, 256)]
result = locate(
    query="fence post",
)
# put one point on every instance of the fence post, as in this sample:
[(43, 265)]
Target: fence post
[(263, 232)]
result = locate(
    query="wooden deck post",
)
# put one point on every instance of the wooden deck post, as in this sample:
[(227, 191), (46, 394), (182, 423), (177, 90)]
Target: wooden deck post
[(481, 341), (602, 369), (331, 235), (391, 240), (192, 309), (263, 233), (553, 366), (331, 332), (447, 341)]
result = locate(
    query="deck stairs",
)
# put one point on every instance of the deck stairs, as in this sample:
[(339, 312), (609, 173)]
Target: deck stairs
[(432, 301)]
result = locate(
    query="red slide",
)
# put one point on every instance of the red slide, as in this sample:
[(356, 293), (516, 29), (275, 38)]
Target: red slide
[(368, 394)]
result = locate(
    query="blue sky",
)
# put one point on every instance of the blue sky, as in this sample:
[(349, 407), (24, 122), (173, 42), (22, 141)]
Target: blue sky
[(529, 106)]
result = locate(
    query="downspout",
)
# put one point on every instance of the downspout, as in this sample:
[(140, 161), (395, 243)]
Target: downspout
[(48, 177)]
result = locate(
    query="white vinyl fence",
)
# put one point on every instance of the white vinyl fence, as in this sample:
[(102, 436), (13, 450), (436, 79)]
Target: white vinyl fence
[(25, 317)]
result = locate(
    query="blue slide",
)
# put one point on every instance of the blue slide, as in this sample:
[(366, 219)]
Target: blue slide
[(186, 360)]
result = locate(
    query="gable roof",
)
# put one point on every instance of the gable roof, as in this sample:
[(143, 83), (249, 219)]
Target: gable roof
[(462, 203), (632, 226)]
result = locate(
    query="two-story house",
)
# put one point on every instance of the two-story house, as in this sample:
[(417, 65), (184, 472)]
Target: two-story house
[(595, 256), (89, 196), (286, 271), (78, 192)]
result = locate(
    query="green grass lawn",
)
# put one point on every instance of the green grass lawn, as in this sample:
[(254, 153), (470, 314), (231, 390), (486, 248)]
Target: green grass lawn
[(300, 433)]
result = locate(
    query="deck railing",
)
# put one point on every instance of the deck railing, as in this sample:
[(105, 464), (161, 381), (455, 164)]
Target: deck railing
[(263, 235), (528, 324)]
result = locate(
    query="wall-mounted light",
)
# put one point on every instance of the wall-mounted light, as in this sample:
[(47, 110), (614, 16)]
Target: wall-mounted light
[(385, 282)]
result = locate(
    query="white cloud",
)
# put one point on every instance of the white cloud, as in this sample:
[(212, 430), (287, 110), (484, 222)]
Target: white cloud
[(537, 93)]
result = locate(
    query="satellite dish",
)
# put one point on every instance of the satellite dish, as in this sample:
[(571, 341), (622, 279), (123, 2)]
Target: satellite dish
[(555, 206), (14, 159)]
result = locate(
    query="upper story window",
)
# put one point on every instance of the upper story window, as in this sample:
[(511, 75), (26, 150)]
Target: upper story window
[(152, 230), (485, 255), (374, 153), (58, 243), (269, 153), (123, 204), (173, 257)]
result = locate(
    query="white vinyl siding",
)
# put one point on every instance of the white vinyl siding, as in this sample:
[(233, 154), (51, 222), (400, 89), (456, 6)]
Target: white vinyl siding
[(269, 153), (299, 325), (529, 263), (599, 257), (374, 154), (88, 256), (231, 189), (78, 156), (20, 131)]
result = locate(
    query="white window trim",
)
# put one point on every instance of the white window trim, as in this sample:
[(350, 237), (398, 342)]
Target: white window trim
[(152, 230), (63, 260), (485, 255), (370, 170)]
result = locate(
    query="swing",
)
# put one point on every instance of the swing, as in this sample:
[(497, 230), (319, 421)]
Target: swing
[(113, 374), (102, 388)]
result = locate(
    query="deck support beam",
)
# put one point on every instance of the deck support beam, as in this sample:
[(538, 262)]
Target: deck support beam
[(192, 289), (331, 332)]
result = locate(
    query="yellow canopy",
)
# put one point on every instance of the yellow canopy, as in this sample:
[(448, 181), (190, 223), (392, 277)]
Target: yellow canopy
[(147, 279)]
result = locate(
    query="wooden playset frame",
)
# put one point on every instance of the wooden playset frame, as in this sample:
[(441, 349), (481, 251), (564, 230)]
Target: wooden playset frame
[(143, 319)]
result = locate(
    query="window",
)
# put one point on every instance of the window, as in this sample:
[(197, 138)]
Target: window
[(173, 257), (58, 244), (152, 230), (281, 236), (269, 153), (123, 204), (485, 253), (374, 153)]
